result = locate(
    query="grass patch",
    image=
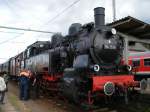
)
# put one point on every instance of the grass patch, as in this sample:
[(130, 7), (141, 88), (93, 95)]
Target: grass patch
[(13, 101), (147, 110), (1, 109)]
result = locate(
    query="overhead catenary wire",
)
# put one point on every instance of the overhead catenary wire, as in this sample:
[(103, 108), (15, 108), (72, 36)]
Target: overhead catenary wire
[(61, 12), (10, 32), (14, 28), (3, 58), (17, 42), (33, 30), (11, 8), (10, 4), (6, 2), (5, 41), (24, 29)]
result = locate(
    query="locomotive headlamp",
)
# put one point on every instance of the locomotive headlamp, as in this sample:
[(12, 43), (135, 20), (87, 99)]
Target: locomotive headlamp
[(96, 68), (129, 68), (113, 31), (109, 88), (110, 32), (41, 45)]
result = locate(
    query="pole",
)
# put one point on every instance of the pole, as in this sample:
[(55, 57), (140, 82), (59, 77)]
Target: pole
[(114, 9)]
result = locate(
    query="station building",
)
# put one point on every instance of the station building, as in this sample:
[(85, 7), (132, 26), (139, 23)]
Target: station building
[(135, 32)]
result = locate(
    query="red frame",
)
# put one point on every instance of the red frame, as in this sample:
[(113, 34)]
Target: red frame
[(52, 77), (124, 81)]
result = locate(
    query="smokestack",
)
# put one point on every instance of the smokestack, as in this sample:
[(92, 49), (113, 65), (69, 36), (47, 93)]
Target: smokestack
[(99, 15)]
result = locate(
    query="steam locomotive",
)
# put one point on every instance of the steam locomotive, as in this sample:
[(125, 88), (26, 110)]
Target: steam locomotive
[(82, 66)]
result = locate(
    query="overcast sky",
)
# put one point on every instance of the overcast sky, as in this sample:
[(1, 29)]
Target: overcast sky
[(38, 14)]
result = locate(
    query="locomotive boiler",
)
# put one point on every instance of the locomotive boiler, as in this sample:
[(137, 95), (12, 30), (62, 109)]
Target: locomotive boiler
[(83, 65)]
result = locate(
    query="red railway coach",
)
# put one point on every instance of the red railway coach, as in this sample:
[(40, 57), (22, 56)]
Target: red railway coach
[(141, 64)]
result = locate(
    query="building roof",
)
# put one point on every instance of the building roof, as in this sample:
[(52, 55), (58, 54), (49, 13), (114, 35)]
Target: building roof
[(132, 26)]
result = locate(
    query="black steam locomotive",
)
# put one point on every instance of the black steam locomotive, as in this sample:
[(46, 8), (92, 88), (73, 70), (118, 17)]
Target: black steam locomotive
[(82, 66)]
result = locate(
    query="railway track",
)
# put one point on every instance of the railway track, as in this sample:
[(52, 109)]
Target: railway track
[(140, 103)]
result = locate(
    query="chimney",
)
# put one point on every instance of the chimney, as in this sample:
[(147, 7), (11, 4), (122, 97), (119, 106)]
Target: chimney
[(99, 16)]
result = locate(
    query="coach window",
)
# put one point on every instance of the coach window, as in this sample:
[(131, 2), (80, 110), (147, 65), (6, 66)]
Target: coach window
[(136, 63), (28, 52), (147, 62)]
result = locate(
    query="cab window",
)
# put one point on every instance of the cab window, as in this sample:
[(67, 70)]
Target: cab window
[(146, 62), (136, 63)]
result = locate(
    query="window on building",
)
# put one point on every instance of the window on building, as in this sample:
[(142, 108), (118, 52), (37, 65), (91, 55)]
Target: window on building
[(146, 45), (147, 62), (131, 43), (136, 63)]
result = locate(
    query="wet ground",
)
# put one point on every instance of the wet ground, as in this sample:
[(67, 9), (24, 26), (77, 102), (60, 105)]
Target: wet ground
[(43, 104), (140, 103)]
